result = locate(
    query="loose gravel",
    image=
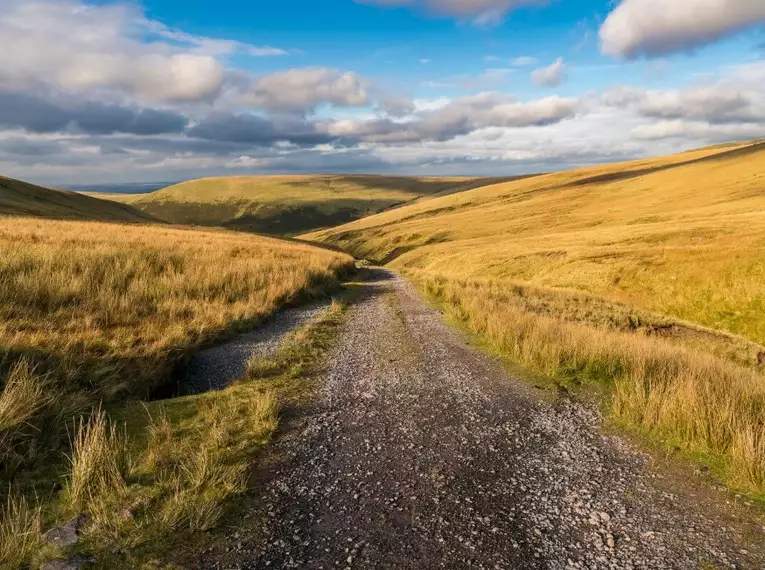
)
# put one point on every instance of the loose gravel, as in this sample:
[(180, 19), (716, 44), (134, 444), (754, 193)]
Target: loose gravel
[(216, 367), (424, 453)]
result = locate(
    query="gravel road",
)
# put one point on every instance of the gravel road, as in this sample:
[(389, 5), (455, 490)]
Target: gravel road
[(215, 367), (423, 453)]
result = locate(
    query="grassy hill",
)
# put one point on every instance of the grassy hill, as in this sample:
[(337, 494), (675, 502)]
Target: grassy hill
[(23, 199), (94, 316), (642, 281), (682, 235), (287, 205)]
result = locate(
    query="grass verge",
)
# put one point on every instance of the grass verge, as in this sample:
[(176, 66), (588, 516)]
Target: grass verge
[(156, 478), (708, 407)]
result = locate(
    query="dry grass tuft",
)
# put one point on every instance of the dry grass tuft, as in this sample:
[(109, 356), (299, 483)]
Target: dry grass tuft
[(23, 396), (99, 461), (20, 528)]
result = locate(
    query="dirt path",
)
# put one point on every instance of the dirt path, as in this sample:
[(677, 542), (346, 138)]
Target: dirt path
[(423, 453)]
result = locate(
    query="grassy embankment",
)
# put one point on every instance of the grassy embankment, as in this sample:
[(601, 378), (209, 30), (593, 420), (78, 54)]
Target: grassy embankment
[(93, 317), (287, 205), (646, 278)]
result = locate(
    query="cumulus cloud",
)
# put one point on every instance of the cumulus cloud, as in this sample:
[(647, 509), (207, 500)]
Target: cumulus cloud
[(306, 88), (458, 117), (35, 114), (551, 76), (76, 48), (657, 27), (719, 103), (480, 11)]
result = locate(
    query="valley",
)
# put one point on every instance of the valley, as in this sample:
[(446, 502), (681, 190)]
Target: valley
[(538, 353)]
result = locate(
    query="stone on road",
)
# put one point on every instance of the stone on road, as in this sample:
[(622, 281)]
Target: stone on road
[(423, 453)]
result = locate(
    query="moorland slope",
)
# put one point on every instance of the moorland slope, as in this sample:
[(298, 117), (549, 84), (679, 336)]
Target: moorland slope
[(682, 235), (20, 198), (288, 205)]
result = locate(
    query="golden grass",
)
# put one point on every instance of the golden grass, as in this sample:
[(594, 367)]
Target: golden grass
[(20, 528), (22, 397), (703, 403), (682, 235), (95, 315), (105, 298), (287, 204)]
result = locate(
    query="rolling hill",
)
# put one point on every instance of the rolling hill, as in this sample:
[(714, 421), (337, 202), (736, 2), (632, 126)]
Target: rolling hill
[(19, 198), (288, 205), (682, 235)]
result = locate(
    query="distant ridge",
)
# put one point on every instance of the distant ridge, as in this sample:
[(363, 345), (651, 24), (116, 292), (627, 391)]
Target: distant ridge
[(289, 205), (18, 198)]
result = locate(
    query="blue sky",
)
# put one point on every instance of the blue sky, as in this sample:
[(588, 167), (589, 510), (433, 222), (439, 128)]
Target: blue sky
[(111, 92)]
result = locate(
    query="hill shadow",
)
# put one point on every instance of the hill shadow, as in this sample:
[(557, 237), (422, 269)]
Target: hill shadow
[(629, 174)]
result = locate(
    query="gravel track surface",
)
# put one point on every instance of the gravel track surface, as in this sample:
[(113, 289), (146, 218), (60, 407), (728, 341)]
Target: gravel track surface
[(423, 453), (215, 367)]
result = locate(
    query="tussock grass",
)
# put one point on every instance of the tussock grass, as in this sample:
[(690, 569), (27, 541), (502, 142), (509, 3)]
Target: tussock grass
[(99, 461), (20, 528), (23, 398), (676, 394)]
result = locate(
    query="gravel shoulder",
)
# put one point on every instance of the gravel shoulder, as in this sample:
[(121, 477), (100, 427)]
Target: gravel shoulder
[(421, 452), (215, 367)]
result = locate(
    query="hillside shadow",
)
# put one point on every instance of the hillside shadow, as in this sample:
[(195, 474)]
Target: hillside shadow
[(629, 174), (417, 186)]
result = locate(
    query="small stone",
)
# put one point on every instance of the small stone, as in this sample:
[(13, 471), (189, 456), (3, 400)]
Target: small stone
[(62, 536)]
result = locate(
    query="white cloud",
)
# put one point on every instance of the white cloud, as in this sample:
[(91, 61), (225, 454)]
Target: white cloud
[(443, 120), (656, 27), (77, 48), (304, 89), (550, 76)]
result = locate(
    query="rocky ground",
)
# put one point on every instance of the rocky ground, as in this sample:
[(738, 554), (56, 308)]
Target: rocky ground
[(423, 453)]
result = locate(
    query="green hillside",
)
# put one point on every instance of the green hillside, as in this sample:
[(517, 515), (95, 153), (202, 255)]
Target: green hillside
[(288, 205), (19, 198)]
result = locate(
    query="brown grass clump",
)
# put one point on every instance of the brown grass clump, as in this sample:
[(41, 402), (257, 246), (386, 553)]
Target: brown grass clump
[(22, 399)]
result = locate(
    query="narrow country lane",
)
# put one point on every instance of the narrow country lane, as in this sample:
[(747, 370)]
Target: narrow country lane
[(424, 453)]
